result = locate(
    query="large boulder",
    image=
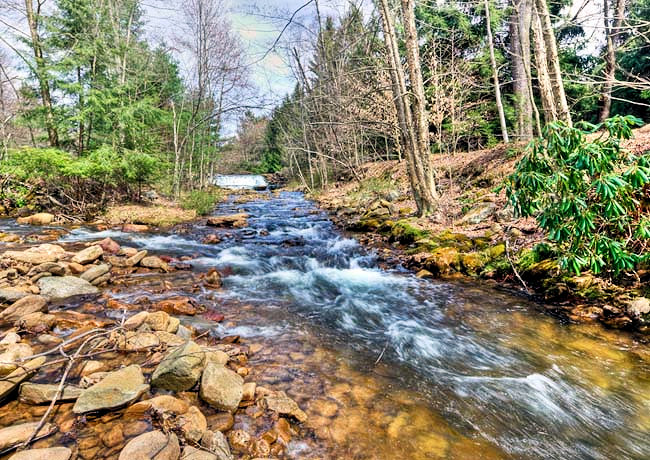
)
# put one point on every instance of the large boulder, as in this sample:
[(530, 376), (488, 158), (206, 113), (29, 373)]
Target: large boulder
[(43, 393), (115, 390), (62, 287), (49, 453), (17, 434), (221, 387), (88, 255), (181, 369), (38, 254), (23, 307), (42, 218), (154, 445)]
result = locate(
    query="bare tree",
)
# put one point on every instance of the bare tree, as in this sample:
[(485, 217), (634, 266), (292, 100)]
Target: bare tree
[(613, 26), (495, 75)]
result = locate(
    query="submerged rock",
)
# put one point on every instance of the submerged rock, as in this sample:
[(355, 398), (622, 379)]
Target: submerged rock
[(42, 218), (23, 307), (40, 393), (282, 404), (154, 445), (181, 369), (49, 453), (62, 287), (221, 387), (116, 389), (229, 221), (17, 434), (9, 359), (10, 382), (216, 442)]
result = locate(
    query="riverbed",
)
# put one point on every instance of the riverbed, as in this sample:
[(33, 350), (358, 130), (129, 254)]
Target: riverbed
[(389, 366)]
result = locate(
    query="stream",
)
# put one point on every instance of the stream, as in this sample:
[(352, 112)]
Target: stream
[(389, 366)]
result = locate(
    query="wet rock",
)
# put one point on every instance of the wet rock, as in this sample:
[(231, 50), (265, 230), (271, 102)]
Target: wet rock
[(95, 272), (141, 341), (42, 218), (49, 267), (25, 306), (136, 320), (9, 338), (183, 332), (59, 288), (154, 262), (222, 421), (135, 259), (178, 306), (9, 359), (49, 453), (10, 295), (163, 403), (181, 369), (213, 279), (192, 424), (154, 445), (221, 387), (324, 407), (90, 367), (48, 339), (230, 221), (135, 228), (249, 391), (109, 246), (261, 448), (88, 255), (639, 306), (38, 254), (282, 404), (113, 437), (192, 453), (424, 274), (158, 321), (41, 393), (239, 440), (117, 389), (173, 325), (211, 239), (36, 322), (171, 340), (216, 356), (16, 434), (76, 268), (101, 279)]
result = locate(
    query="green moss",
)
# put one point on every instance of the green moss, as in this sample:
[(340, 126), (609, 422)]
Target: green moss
[(406, 233), (472, 263), (495, 252), (443, 261)]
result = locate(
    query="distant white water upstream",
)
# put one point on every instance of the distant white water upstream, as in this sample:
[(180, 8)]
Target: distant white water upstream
[(240, 181)]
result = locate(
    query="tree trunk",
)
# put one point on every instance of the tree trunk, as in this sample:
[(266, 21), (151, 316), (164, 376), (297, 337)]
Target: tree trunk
[(495, 75), (520, 59), (41, 74), (557, 86), (612, 30), (543, 76)]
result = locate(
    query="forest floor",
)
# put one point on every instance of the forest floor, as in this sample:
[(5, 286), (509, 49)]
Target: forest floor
[(475, 234)]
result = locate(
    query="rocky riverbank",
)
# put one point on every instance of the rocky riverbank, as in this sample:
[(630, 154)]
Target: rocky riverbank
[(475, 235), (86, 374)]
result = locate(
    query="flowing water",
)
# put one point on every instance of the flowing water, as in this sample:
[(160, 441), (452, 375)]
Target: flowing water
[(389, 366)]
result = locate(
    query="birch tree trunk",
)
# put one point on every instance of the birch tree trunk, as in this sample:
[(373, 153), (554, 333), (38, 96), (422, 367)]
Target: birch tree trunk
[(612, 30), (520, 22), (543, 75)]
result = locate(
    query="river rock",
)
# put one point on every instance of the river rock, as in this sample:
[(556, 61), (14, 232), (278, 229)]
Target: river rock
[(10, 357), (41, 393), (38, 254), (221, 387), (95, 272), (141, 340), (135, 258), (16, 434), (109, 246), (135, 228), (101, 279), (192, 453), (192, 424), (174, 324), (282, 404), (36, 322), (181, 369), (23, 307), (10, 295), (154, 445), (154, 262), (162, 403), (9, 338), (10, 382), (115, 390), (639, 306), (178, 306), (230, 221), (157, 321), (49, 453), (216, 442), (136, 321), (42, 218), (88, 255), (171, 340), (62, 287)]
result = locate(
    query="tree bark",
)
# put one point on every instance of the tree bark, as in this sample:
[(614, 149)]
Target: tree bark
[(612, 30), (495, 75), (557, 85), (543, 75), (520, 22), (41, 73)]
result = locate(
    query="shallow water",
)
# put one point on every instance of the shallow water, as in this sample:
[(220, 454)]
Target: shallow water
[(390, 366)]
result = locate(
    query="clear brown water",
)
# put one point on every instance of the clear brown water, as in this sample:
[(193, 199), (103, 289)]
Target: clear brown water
[(465, 372)]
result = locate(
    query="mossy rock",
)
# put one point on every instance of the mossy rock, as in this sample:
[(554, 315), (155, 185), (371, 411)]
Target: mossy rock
[(481, 242), (460, 241), (495, 252), (387, 226), (427, 245), (472, 263), (406, 211), (365, 225), (443, 261), (404, 232)]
